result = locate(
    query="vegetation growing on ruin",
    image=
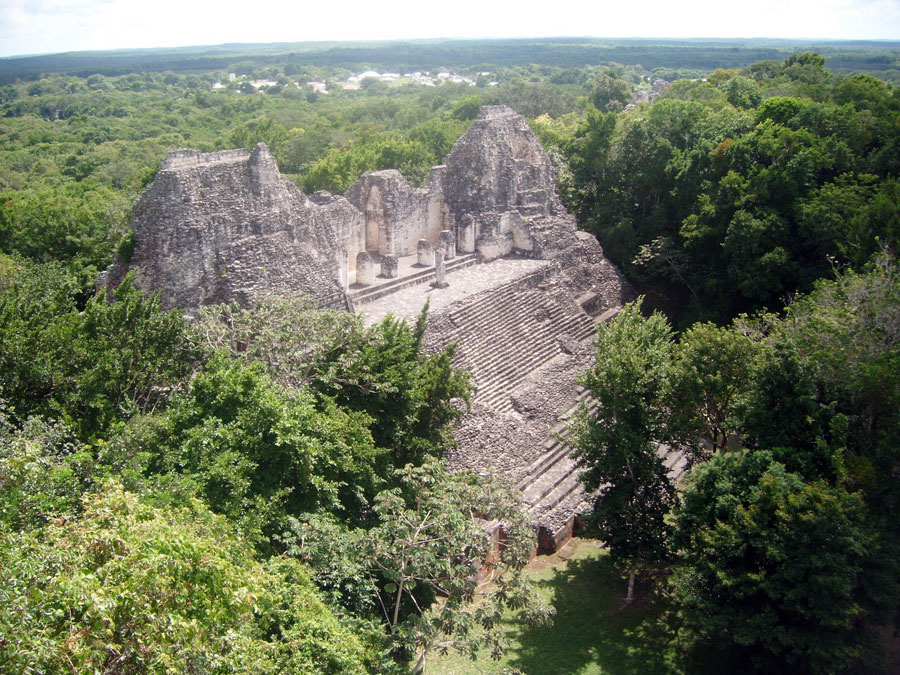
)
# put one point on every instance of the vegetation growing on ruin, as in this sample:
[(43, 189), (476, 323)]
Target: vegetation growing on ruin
[(162, 477)]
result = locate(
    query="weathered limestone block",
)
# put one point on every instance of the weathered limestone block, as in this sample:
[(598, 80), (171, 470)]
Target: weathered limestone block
[(425, 254), (390, 267), (499, 166), (335, 211), (365, 269), (448, 244), (226, 226), (493, 247), (465, 234), (658, 88), (395, 214), (437, 216), (513, 223)]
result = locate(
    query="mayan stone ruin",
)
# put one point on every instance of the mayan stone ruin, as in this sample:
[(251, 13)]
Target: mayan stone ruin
[(486, 241)]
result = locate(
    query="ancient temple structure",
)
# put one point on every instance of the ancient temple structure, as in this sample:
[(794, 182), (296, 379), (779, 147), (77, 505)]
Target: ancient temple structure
[(486, 241)]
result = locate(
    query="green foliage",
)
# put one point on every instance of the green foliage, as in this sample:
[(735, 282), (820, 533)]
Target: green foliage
[(711, 367), (771, 567), (781, 566), (438, 136), (467, 108), (408, 394), (258, 453), (78, 225), (742, 92), (131, 588), (286, 333), (610, 93), (92, 367), (847, 335), (339, 169), (590, 633), (380, 371), (431, 536), (754, 181), (43, 472), (261, 130), (616, 444)]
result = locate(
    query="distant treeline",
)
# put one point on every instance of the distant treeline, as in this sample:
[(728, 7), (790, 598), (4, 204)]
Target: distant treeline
[(880, 57)]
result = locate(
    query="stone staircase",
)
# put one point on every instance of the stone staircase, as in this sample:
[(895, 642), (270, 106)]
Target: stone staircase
[(370, 293), (509, 334), (551, 488), (337, 300)]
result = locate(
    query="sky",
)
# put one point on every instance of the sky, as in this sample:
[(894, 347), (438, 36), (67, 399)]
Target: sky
[(50, 26)]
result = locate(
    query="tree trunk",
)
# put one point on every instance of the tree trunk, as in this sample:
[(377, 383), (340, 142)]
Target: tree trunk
[(397, 602), (419, 668), (630, 597)]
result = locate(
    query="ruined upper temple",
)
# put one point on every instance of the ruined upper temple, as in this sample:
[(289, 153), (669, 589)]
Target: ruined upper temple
[(227, 226)]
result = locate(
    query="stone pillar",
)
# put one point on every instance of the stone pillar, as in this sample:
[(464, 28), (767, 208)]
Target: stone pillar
[(365, 269), (343, 272), (448, 243), (466, 232), (425, 253), (390, 267), (439, 272)]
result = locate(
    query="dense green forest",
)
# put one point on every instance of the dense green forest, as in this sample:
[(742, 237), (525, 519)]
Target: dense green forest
[(264, 490), (475, 55)]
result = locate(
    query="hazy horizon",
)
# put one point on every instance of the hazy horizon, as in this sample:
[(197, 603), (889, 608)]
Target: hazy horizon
[(31, 27)]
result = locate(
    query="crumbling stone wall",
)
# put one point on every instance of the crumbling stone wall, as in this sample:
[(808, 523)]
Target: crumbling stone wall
[(500, 177), (396, 215), (226, 226)]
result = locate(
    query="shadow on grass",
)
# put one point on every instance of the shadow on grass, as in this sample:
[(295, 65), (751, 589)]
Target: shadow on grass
[(592, 632)]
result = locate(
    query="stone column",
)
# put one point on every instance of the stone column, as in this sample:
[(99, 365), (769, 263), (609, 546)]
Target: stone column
[(425, 253), (439, 272), (342, 265), (466, 232), (448, 243), (390, 267), (365, 269)]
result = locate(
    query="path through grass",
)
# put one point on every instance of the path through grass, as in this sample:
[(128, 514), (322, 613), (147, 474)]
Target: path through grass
[(592, 634)]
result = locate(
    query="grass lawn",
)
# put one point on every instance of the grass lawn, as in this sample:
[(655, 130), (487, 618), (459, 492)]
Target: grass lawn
[(591, 634)]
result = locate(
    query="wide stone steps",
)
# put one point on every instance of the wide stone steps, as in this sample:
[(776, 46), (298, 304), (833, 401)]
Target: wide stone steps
[(675, 461), (337, 300), (552, 477), (505, 368), (529, 347), (557, 448), (465, 314), (586, 331), (504, 338), (364, 295), (547, 332), (551, 481), (565, 487), (558, 488)]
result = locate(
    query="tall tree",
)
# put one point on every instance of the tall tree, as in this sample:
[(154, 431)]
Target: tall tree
[(710, 372), (432, 536), (772, 567), (616, 445)]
